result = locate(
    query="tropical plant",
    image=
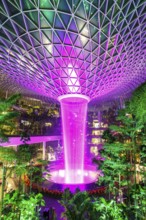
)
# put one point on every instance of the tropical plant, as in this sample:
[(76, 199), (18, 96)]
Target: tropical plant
[(25, 167), (7, 160), (114, 167), (7, 115), (137, 208), (6, 123), (124, 153), (78, 206), (14, 163), (18, 164), (109, 210), (22, 206), (137, 104)]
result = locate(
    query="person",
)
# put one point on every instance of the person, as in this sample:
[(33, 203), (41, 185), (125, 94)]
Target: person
[(52, 214), (46, 214), (120, 196)]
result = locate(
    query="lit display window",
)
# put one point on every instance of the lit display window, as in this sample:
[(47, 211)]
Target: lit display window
[(97, 132), (105, 126), (96, 124), (51, 154), (25, 122), (96, 140), (48, 124), (94, 150)]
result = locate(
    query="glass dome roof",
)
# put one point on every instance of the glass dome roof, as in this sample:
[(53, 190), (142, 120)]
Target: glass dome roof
[(56, 47)]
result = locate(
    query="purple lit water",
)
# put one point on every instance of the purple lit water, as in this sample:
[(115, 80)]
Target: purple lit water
[(74, 111), (89, 176), (58, 176)]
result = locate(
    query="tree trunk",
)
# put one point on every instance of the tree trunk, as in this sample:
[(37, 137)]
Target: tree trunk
[(3, 188)]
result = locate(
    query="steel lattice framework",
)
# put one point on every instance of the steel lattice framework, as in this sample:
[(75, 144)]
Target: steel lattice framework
[(90, 47)]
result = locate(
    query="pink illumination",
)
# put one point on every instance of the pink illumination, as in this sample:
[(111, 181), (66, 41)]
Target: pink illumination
[(58, 176), (16, 141), (74, 110)]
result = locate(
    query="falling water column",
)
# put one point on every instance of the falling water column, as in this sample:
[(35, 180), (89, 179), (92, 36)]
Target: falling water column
[(74, 111)]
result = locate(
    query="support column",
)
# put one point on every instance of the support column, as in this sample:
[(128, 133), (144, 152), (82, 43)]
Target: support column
[(99, 118), (74, 111), (44, 150), (15, 147)]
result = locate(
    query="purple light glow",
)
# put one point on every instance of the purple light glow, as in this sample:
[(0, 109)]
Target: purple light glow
[(74, 111), (89, 175), (58, 176), (16, 141)]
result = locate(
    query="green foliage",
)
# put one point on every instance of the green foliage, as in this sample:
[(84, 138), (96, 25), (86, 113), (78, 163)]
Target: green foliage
[(125, 158), (7, 115), (5, 104), (7, 155), (22, 206), (78, 207), (115, 165), (81, 207), (17, 205), (123, 141), (108, 136), (109, 210), (24, 154), (20, 163), (138, 202), (137, 104)]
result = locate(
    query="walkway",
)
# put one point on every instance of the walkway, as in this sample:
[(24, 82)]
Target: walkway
[(15, 141)]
